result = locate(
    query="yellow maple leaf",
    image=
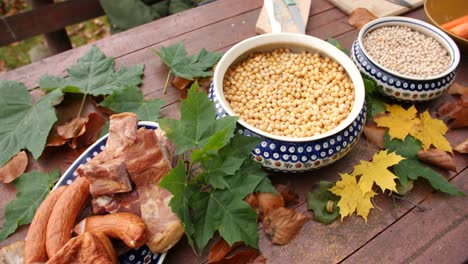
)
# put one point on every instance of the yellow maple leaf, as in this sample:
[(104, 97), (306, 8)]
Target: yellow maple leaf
[(352, 198), (376, 171), (400, 122), (431, 131)]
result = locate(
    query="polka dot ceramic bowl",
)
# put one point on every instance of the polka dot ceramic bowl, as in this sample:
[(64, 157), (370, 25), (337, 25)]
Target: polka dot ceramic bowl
[(289, 154), (402, 87)]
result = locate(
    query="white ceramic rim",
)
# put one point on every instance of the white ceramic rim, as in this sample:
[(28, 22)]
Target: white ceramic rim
[(421, 27), (299, 40)]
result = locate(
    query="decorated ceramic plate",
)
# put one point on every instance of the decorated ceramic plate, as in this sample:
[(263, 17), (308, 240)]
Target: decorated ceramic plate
[(141, 255)]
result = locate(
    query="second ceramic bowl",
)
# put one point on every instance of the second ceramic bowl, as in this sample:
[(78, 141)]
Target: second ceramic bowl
[(399, 86)]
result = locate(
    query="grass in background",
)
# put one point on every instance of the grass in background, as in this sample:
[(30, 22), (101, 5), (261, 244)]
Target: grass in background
[(16, 54)]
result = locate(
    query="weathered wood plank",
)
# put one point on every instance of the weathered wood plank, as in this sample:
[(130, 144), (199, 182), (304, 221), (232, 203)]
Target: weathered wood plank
[(145, 36), (135, 39), (47, 18)]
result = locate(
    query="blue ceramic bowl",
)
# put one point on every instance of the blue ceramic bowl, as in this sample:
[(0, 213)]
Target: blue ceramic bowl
[(399, 86), (288, 154)]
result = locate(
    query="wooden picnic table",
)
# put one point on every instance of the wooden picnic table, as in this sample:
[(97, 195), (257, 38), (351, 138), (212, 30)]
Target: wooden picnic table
[(397, 231)]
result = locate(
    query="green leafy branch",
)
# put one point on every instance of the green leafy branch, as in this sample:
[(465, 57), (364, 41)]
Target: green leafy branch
[(209, 186)]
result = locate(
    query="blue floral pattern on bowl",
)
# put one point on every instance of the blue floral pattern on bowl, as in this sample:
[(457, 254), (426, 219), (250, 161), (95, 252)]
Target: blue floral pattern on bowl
[(397, 86), (285, 156), (141, 255)]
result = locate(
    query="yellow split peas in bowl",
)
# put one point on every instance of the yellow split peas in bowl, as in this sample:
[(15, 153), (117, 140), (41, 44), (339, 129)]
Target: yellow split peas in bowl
[(289, 94)]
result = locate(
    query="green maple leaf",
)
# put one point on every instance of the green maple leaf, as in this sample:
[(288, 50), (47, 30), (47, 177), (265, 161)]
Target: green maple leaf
[(226, 212), (317, 201), (182, 190), (337, 44), (175, 57), (213, 200), (94, 74), (228, 161), (24, 124), (198, 125), (32, 189), (130, 99), (411, 168), (374, 103)]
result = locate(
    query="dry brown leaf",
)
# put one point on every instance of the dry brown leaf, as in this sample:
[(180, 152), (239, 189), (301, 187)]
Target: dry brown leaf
[(244, 255), (220, 249), (180, 82), (375, 135), (457, 88), (289, 196), (460, 118), (14, 168), (267, 202), (359, 17), (448, 109), (438, 158), (462, 147), (54, 139), (93, 129), (456, 111), (74, 128), (252, 200), (282, 224)]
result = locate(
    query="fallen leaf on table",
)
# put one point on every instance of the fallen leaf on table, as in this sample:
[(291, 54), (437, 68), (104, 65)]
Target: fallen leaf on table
[(283, 224), (319, 199), (74, 128), (94, 74), (448, 109), (14, 167), (456, 111), (460, 118), (24, 124), (377, 171), (352, 198), (400, 122), (131, 99), (359, 17), (32, 189), (462, 147), (431, 131), (244, 255), (180, 83), (220, 249), (289, 196), (411, 168), (268, 202), (438, 158), (459, 89), (187, 67), (54, 139), (375, 135), (93, 129), (252, 200)]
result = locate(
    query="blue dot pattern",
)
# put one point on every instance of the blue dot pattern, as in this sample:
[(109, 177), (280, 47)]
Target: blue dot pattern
[(307, 154)]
